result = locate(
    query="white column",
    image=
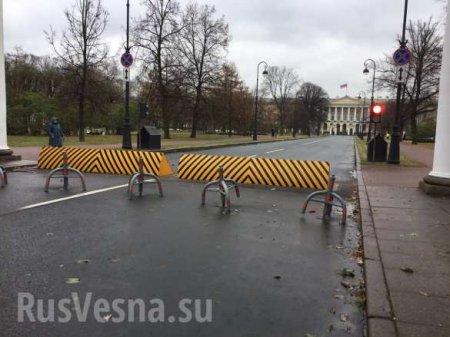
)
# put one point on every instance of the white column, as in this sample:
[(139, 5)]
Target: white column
[(3, 139), (441, 161)]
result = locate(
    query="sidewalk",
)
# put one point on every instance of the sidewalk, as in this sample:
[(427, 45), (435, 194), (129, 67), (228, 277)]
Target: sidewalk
[(406, 237)]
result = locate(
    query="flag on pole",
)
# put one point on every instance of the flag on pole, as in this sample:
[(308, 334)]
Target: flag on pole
[(343, 86)]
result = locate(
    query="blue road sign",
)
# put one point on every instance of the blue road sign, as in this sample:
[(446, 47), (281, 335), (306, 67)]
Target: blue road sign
[(402, 56), (126, 59)]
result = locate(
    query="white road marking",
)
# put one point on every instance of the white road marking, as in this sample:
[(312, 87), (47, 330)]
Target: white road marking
[(316, 141), (76, 196), (275, 151)]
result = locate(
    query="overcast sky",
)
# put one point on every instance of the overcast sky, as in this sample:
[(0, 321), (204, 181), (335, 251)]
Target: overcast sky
[(325, 41)]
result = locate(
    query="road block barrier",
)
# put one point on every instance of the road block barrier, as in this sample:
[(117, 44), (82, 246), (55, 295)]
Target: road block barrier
[(105, 161), (256, 171)]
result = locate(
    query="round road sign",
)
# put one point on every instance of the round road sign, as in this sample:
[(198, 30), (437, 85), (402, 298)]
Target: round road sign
[(126, 59), (402, 56)]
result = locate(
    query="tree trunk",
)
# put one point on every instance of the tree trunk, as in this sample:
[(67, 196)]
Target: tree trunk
[(81, 99), (195, 114), (413, 127)]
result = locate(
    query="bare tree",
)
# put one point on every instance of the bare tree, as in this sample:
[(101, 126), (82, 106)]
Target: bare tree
[(421, 86), (281, 83), (203, 42), (155, 34), (311, 104), (80, 47)]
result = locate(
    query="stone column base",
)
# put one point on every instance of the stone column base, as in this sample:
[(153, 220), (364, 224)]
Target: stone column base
[(435, 186)]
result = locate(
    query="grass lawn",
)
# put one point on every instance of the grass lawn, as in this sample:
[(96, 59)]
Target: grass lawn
[(427, 145), (362, 150), (178, 140)]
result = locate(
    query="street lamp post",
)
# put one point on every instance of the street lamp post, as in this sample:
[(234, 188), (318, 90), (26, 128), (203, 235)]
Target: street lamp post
[(255, 122), (126, 140), (363, 119), (366, 71), (394, 147)]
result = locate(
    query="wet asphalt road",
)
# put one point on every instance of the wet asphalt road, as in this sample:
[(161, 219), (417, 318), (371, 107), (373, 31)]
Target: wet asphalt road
[(267, 269)]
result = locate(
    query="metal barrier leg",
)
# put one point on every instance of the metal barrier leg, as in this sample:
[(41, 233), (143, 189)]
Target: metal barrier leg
[(343, 206), (205, 188), (65, 174), (328, 201), (3, 177), (139, 179), (222, 186), (309, 198)]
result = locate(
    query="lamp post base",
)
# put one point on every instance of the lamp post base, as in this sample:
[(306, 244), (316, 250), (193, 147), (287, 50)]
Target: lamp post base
[(435, 186)]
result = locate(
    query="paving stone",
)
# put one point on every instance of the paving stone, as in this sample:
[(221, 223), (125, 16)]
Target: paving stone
[(418, 263), (413, 247), (418, 309), (381, 328), (415, 330), (377, 298), (431, 284), (370, 248)]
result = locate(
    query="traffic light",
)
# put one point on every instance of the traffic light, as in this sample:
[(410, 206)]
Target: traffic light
[(143, 110), (376, 111)]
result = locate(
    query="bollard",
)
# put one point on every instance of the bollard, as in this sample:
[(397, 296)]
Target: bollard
[(223, 187), (65, 171), (3, 177), (328, 201), (139, 179)]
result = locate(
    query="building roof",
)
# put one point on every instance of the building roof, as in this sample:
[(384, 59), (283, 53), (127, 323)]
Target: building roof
[(348, 101)]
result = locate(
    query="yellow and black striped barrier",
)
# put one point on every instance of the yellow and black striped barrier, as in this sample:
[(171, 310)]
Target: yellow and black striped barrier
[(105, 161), (311, 174)]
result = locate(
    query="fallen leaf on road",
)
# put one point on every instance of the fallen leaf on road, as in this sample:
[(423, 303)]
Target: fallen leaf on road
[(273, 189), (347, 272), (49, 234), (72, 280), (310, 335), (107, 317), (114, 259), (359, 261), (344, 317), (277, 277), (312, 211), (413, 234), (269, 211), (407, 270), (82, 261), (423, 293), (333, 310), (339, 297), (346, 285)]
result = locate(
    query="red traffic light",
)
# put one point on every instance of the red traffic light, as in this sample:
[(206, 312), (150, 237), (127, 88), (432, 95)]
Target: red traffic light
[(376, 109)]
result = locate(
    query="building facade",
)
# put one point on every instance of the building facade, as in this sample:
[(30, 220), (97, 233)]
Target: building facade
[(347, 116)]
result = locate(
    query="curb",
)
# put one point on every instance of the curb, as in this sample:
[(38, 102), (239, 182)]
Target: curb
[(218, 146), (18, 164), (380, 315)]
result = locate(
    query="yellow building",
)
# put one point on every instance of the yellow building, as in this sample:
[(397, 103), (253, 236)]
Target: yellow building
[(347, 116)]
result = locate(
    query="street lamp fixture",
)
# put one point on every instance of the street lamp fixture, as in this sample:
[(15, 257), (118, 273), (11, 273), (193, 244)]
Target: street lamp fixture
[(365, 72), (255, 122)]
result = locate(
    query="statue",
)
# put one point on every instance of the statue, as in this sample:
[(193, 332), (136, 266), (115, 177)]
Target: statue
[(55, 133)]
